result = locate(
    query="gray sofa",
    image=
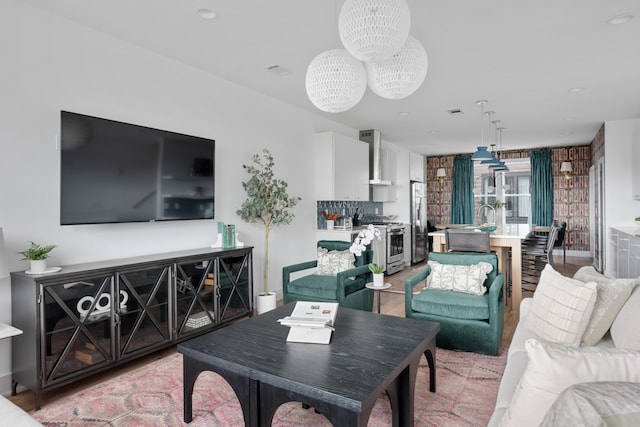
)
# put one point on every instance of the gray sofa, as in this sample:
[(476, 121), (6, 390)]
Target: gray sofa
[(517, 358)]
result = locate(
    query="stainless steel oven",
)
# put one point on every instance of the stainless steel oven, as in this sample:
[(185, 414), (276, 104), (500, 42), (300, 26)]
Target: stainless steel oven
[(395, 248)]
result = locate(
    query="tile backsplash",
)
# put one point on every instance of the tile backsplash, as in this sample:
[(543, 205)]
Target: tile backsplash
[(370, 210)]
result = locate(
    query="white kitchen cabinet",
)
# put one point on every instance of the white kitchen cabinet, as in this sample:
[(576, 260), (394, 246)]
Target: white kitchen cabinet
[(625, 245), (389, 166), (342, 167), (623, 255), (416, 167)]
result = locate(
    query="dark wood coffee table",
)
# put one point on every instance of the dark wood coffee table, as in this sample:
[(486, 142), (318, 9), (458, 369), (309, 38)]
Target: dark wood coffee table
[(368, 355)]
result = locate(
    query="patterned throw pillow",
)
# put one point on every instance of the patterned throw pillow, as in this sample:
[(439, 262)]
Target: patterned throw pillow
[(459, 278), (612, 295), (331, 263), (561, 308)]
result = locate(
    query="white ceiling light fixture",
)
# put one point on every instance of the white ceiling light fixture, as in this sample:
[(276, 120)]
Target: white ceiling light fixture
[(335, 81), (206, 14), (400, 75), (620, 19), (374, 30)]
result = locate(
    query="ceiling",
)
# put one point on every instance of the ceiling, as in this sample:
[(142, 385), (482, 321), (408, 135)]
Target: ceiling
[(524, 57)]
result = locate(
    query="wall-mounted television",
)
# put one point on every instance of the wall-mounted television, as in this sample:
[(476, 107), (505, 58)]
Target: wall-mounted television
[(115, 172)]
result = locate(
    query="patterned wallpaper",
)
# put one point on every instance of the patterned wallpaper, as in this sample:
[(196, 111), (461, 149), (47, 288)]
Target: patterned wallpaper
[(570, 199)]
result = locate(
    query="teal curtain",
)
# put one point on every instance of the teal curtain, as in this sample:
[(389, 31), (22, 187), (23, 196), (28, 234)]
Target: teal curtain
[(541, 188), (462, 202)]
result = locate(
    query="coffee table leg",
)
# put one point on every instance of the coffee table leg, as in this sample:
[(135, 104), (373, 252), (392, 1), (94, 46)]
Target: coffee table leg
[(244, 388), (189, 374), (378, 290)]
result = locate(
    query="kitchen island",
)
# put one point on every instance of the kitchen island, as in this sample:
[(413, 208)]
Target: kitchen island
[(507, 237)]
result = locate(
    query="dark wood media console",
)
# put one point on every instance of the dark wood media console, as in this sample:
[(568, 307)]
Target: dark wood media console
[(90, 317)]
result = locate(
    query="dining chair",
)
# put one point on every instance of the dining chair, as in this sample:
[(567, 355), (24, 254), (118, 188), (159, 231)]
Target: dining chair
[(535, 256)]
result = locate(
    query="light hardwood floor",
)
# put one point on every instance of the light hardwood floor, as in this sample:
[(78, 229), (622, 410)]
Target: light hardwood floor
[(391, 303)]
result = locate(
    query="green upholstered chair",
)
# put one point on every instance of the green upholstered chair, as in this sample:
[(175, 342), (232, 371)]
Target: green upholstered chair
[(347, 288), (467, 322)]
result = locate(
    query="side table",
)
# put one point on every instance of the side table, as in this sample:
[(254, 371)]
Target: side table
[(378, 288)]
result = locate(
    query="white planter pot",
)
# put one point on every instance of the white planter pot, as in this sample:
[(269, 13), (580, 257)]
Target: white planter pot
[(265, 303), (378, 280), (329, 224), (37, 265)]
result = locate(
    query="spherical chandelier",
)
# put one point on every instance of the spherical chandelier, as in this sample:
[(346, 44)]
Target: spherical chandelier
[(373, 30), (335, 81), (400, 75)]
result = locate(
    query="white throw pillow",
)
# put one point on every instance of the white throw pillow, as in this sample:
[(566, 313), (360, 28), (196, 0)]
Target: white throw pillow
[(625, 331), (331, 263), (459, 278), (611, 296), (552, 368), (561, 308)]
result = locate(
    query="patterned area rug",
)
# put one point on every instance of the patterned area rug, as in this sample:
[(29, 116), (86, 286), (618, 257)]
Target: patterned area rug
[(467, 385)]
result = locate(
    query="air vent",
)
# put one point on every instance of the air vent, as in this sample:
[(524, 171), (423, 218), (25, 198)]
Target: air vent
[(279, 70), (455, 112)]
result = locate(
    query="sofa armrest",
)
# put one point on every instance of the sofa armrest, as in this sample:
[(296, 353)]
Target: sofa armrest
[(287, 270), (409, 284)]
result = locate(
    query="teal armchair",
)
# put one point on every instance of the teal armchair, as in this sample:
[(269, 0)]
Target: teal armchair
[(347, 288), (467, 322)]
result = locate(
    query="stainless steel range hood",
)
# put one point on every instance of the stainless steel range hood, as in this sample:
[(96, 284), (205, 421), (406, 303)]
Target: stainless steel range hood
[(372, 137)]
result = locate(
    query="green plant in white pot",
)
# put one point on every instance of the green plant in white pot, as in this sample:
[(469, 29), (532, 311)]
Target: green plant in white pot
[(37, 256), (269, 204)]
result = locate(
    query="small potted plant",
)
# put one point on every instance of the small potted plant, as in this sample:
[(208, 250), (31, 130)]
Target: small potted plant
[(366, 236), (37, 256)]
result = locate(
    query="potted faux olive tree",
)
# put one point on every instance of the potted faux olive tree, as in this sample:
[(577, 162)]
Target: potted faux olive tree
[(269, 204), (37, 256)]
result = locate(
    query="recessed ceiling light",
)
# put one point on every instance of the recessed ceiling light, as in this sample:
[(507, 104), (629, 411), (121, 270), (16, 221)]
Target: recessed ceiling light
[(206, 13), (404, 113), (434, 132), (279, 70), (570, 118), (576, 89), (620, 19)]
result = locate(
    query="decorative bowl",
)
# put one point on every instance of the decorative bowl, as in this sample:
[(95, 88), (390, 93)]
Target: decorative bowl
[(488, 228)]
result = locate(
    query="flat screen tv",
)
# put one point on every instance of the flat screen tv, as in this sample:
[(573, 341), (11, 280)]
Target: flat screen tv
[(115, 172)]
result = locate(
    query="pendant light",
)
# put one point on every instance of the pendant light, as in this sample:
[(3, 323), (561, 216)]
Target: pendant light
[(400, 75), (481, 153), (335, 81), (374, 30), (493, 160), (501, 166)]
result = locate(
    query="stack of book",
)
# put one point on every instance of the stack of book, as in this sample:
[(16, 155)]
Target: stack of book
[(311, 322)]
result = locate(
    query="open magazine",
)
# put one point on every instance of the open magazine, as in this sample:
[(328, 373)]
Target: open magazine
[(311, 322)]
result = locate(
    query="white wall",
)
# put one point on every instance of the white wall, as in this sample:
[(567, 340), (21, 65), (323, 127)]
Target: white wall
[(50, 64), (620, 208)]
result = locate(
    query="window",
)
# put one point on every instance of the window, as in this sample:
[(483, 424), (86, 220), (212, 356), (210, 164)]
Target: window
[(512, 188)]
